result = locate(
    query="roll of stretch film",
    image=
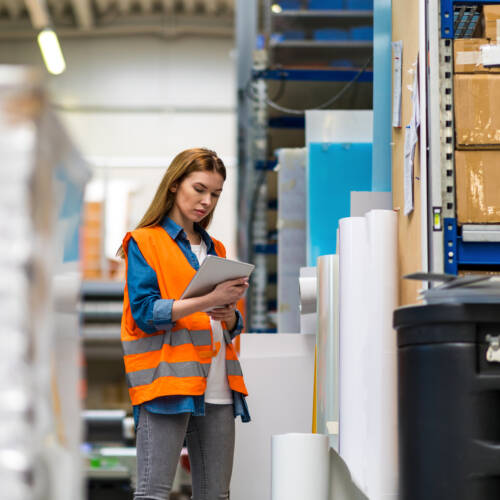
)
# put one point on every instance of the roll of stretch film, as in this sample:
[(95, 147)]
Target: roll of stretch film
[(381, 358), (327, 342), (353, 327), (367, 349)]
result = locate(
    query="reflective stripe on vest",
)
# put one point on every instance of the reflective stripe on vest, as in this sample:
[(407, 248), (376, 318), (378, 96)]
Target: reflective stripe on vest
[(174, 361), (164, 369), (155, 342)]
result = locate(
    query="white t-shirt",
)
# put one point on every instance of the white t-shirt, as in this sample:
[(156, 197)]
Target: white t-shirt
[(218, 391)]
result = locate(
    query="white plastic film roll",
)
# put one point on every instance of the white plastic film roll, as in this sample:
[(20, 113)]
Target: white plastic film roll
[(327, 341), (300, 467), (308, 290), (353, 328), (381, 357)]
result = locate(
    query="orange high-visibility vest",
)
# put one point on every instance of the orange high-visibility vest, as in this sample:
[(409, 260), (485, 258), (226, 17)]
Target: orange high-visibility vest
[(176, 361)]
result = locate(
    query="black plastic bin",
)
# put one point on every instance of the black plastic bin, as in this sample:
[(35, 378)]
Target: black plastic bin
[(449, 401)]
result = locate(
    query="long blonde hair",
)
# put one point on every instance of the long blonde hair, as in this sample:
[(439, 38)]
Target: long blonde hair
[(184, 164)]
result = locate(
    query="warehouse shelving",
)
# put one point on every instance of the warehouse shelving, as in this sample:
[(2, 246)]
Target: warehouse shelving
[(448, 17), (475, 254), (308, 57), (449, 250)]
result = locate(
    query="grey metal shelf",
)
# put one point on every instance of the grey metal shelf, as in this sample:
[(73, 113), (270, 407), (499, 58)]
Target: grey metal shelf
[(296, 52), (322, 44), (320, 19)]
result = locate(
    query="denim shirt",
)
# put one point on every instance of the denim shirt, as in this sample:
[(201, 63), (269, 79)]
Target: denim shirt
[(152, 313)]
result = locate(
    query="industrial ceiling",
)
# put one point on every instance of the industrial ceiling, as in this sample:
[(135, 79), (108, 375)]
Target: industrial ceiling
[(168, 18)]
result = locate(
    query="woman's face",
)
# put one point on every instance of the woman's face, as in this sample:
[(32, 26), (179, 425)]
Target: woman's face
[(197, 195)]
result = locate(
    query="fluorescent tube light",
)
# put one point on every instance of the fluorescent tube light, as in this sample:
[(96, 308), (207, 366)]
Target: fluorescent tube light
[(51, 51)]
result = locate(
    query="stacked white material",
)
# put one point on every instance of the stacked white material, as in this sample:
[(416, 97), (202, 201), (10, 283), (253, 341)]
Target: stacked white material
[(300, 467), (22, 290), (327, 343), (40, 429), (291, 235), (279, 373), (368, 369)]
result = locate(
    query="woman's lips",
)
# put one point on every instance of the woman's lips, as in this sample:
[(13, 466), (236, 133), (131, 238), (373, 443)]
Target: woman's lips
[(201, 212)]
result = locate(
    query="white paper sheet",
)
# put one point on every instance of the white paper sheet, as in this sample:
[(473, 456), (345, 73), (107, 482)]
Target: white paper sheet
[(397, 64), (411, 140)]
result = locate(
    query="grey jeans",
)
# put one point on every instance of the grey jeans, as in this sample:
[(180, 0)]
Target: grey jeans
[(210, 442)]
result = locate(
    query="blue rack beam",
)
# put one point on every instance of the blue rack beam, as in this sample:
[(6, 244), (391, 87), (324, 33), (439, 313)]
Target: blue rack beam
[(447, 17), (459, 253), (313, 75), (288, 122), (265, 165), (269, 249)]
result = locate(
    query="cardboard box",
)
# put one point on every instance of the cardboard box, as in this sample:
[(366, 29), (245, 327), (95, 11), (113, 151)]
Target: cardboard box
[(477, 177), (491, 16), (477, 111), (467, 56)]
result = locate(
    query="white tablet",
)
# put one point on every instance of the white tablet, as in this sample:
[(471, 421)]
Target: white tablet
[(215, 270)]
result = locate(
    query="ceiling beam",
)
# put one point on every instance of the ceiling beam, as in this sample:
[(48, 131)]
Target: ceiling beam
[(189, 6), (83, 14), (168, 6), (38, 12), (211, 6)]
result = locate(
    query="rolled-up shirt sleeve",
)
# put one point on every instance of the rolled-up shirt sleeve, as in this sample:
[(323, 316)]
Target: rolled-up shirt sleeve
[(238, 327), (149, 310)]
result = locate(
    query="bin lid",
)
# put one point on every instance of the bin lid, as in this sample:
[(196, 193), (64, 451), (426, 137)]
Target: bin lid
[(437, 323)]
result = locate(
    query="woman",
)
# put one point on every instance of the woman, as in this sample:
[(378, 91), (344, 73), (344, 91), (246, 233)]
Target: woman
[(183, 374)]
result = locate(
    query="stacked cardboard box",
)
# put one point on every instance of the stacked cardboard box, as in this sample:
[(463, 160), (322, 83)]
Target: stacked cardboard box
[(477, 125), (491, 15), (92, 240)]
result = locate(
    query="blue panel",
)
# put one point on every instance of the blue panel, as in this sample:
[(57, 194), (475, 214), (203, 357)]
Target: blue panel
[(326, 4), (362, 33), (332, 34), (450, 246), (287, 122), (69, 213), (313, 75), (382, 92), (478, 253), (334, 170), (359, 4)]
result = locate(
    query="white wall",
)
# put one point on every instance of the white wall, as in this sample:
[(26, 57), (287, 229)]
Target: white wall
[(135, 102)]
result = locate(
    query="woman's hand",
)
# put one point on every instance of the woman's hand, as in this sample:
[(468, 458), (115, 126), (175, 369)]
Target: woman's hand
[(225, 313), (228, 292)]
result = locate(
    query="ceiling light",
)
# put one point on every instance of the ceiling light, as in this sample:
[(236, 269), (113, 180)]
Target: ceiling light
[(51, 51), (276, 8)]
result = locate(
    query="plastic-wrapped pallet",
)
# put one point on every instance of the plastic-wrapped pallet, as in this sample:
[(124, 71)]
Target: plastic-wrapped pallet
[(38, 458), (291, 235)]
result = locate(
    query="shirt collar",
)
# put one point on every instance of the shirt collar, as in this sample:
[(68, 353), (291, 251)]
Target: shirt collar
[(175, 231)]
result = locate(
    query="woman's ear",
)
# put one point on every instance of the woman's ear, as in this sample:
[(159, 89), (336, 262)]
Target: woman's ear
[(173, 187)]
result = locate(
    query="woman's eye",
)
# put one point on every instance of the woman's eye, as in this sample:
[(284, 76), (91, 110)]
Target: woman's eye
[(215, 195), (198, 190)]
